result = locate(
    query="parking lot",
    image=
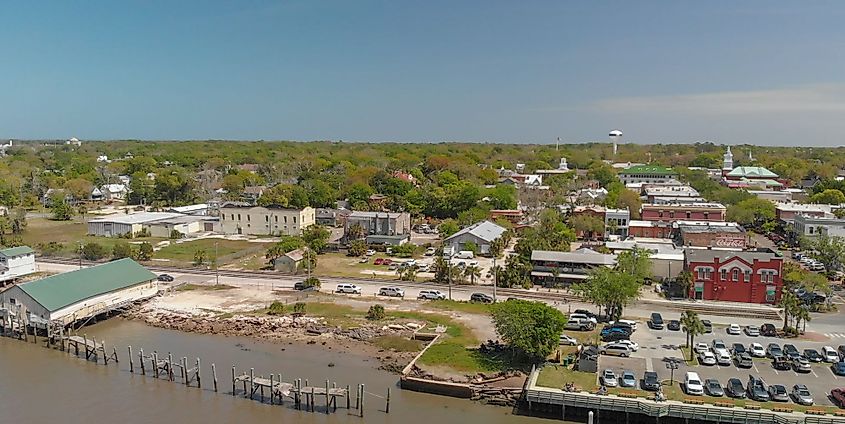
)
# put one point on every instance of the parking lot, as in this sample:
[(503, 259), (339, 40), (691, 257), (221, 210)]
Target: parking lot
[(658, 346)]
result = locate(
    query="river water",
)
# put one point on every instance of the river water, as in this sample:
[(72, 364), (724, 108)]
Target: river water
[(39, 385)]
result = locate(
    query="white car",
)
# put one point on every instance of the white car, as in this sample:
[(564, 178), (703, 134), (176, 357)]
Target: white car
[(567, 340), (752, 331), (701, 347), (583, 317), (692, 384), (608, 378), (723, 358), (431, 295), (757, 350), (830, 354), (430, 251), (391, 292), (370, 252), (734, 329), (707, 358), (633, 346), (348, 288)]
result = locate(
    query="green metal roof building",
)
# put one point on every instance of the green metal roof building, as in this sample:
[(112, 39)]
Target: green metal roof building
[(83, 293)]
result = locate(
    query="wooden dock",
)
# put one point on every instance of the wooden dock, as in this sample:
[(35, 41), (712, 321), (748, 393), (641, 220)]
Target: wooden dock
[(278, 390)]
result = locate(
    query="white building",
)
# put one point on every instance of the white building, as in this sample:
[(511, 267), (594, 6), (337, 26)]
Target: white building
[(198, 209), (239, 218), (667, 260), (16, 262), (120, 224), (481, 234), (114, 192), (77, 295), (810, 227)]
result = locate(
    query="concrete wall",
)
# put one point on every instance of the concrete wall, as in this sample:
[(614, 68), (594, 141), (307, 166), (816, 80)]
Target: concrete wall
[(262, 221), (111, 229), (443, 388)]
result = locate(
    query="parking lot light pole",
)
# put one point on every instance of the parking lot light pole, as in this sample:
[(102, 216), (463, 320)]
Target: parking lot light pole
[(672, 365)]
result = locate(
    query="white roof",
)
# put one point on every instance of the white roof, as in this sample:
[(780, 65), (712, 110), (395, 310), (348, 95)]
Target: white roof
[(803, 207), (485, 230), (581, 256), (190, 208), (671, 191), (658, 248), (114, 188), (136, 218)]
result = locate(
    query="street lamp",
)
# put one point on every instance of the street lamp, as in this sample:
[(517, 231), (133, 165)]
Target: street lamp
[(495, 278), (449, 273), (216, 265), (672, 365)]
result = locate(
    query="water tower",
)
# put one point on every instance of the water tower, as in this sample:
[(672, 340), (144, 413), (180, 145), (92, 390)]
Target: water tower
[(615, 138)]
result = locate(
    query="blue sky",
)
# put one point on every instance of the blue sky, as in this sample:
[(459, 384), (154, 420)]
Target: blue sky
[(761, 72)]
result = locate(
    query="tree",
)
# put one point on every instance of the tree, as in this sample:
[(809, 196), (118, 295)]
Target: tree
[(79, 188), (375, 313), (309, 261), (588, 225), (285, 245), (407, 273), (121, 250), (471, 246), (200, 257), (61, 210), (790, 304), (603, 173), (312, 282), (447, 228), (609, 289), (93, 251), (630, 200), (316, 237), (636, 262), (357, 247), (530, 328), (827, 250), (830, 196), (145, 252), (684, 280), (753, 211), (502, 196), (692, 326), (472, 272), (497, 247)]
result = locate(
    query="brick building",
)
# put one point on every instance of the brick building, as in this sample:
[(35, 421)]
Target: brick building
[(710, 234), (750, 276), (672, 212)]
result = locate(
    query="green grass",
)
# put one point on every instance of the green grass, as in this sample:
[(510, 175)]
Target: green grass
[(398, 344), (184, 252), (468, 307), (557, 376), (40, 231)]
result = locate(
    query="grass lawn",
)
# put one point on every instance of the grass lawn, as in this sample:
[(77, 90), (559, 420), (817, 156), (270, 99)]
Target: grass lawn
[(453, 305), (41, 231), (340, 265), (557, 376), (184, 252), (398, 343)]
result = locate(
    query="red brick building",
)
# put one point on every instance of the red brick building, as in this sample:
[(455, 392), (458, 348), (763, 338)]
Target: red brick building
[(672, 212), (750, 276), (710, 234), (650, 229)]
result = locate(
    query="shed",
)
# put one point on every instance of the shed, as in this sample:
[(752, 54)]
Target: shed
[(482, 234), (289, 262), (77, 295)]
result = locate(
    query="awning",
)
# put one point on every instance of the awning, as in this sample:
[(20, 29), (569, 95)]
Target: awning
[(564, 276), (699, 289)]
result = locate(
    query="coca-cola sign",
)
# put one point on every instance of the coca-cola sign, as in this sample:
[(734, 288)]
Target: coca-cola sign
[(723, 241)]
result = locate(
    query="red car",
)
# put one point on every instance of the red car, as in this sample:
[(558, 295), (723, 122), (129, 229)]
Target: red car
[(838, 396), (386, 262), (378, 261)]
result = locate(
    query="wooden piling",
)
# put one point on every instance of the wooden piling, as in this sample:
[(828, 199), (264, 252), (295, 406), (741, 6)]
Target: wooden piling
[(251, 382), (348, 395), (233, 380), (131, 367), (154, 360), (141, 360), (170, 365), (214, 376), (334, 398), (198, 373), (312, 399), (184, 370), (114, 355), (272, 389), (387, 406), (327, 396), (362, 401)]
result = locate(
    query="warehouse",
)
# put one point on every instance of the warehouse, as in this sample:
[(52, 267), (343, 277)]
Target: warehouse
[(78, 295), (117, 225)]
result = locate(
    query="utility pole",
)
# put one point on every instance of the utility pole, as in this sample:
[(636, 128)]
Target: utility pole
[(80, 254), (449, 273), (216, 265), (495, 278)]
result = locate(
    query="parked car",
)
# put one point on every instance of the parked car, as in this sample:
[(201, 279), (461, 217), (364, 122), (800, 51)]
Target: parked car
[(567, 340), (734, 329), (781, 363), (778, 393), (431, 295), (838, 396), (673, 325), (614, 349), (614, 334), (722, 357), (757, 389), (752, 330), (301, 286), (838, 368), (631, 345), (743, 360), (585, 317), (165, 277), (585, 312), (608, 378), (387, 261), (708, 327), (707, 358), (800, 364), (625, 323), (801, 395), (578, 324), (718, 344), (650, 381), (713, 387), (841, 350), (813, 355), (378, 261), (768, 330), (656, 321), (735, 389), (391, 292), (773, 349), (790, 351), (464, 254), (692, 384), (830, 354), (757, 350), (348, 288), (701, 347), (628, 379), (738, 348), (369, 252), (481, 298), (364, 259), (430, 251)]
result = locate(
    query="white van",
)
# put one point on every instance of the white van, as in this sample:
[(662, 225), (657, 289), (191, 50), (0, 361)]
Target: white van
[(465, 254), (692, 384), (830, 354)]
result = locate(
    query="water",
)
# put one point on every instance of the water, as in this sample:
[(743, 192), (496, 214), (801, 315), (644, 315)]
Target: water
[(40, 385)]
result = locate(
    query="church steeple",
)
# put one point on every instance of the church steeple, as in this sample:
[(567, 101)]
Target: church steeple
[(728, 160)]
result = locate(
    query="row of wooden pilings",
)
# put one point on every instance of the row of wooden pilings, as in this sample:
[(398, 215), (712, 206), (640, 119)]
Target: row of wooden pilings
[(302, 394)]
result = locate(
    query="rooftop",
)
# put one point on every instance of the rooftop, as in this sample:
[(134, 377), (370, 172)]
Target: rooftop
[(709, 227), (582, 256), (484, 230), (668, 191), (366, 214), (708, 255), (136, 218), (61, 290), (649, 169), (190, 208), (752, 171), (16, 251), (711, 205)]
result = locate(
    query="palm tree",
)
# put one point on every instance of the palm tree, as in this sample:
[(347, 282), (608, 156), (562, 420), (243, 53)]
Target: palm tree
[(472, 272), (684, 280), (692, 326), (497, 247), (790, 304), (802, 314)]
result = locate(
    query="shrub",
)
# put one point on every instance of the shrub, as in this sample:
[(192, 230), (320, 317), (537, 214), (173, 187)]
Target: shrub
[(299, 308), (375, 313), (175, 234), (404, 250), (276, 308), (51, 248), (93, 251), (312, 282)]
